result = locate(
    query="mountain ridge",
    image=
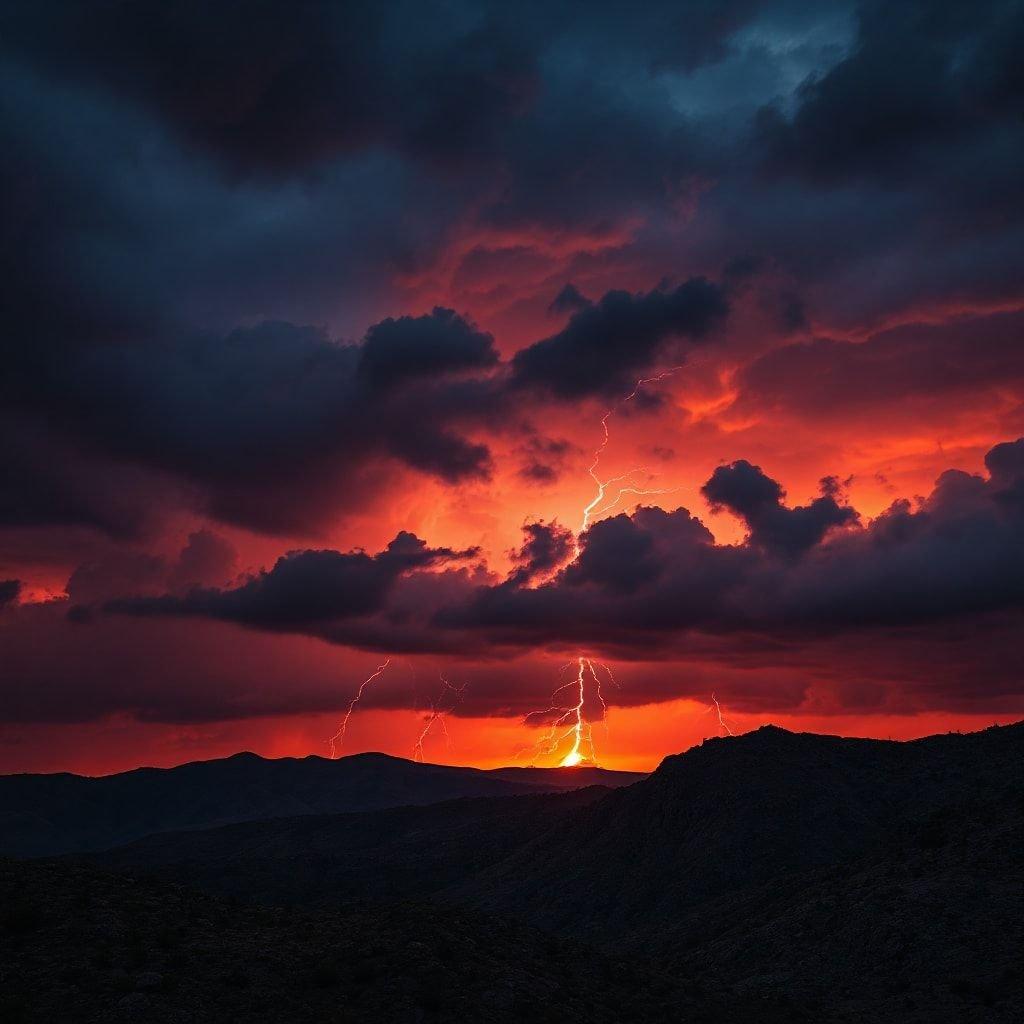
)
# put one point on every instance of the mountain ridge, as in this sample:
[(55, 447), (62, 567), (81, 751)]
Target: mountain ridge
[(800, 800), (808, 877), (63, 813)]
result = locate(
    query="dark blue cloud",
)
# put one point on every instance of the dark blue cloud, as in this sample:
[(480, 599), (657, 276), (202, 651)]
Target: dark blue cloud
[(606, 346), (397, 350), (304, 587)]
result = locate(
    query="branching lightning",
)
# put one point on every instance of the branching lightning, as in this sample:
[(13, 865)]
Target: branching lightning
[(337, 741), (567, 722), (568, 725), (437, 715), (601, 503)]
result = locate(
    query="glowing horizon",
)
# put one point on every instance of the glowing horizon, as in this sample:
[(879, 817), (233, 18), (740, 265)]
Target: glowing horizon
[(334, 424)]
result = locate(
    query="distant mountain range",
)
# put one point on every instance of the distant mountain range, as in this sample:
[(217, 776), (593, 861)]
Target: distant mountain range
[(64, 813), (768, 877)]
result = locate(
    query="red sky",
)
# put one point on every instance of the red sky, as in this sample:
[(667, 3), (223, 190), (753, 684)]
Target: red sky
[(296, 385)]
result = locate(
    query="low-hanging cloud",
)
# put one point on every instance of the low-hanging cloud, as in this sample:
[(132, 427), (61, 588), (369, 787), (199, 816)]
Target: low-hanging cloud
[(645, 582)]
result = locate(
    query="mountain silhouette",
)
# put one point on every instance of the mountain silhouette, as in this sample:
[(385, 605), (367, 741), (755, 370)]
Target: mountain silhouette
[(773, 876), (736, 812), (811, 876), (63, 813)]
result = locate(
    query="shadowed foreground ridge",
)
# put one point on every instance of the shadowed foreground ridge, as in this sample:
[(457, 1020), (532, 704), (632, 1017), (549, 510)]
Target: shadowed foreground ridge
[(89, 947), (740, 811), (771, 876)]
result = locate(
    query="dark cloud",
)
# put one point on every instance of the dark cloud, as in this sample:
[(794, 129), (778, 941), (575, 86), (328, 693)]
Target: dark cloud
[(263, 427), (116, 573), (50, 480), (746, 490), (901, 147), (304, 587), (924, 606), (185, 186), (607, 345), (1005, 463), (271, 87), (652, 581), (262, 423), (9, 591), (544, 459), (546, 547), (539, 473), (206, 560), (569, 300), (171, 169), (918, 76), (395, 351)]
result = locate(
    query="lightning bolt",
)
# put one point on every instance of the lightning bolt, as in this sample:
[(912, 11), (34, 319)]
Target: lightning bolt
[(579, 727), (337, 741), (437, 717), (598, 504), (721, 721), (567, 722)]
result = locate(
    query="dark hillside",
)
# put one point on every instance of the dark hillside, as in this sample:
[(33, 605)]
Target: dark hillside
[(332, 859), (735, 813), (77, 945), (42, 815)]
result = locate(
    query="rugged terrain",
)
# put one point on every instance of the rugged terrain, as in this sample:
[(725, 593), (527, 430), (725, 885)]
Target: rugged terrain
[(768, 876)]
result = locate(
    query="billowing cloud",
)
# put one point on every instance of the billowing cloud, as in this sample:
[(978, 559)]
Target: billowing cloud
[(304, 587), (606, 346), (649, 580), (263, 423), (396, 351), (281, 282), (546, 547), (747, 491)]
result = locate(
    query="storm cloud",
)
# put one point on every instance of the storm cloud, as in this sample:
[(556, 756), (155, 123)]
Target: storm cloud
[(646, 581), (606, 346), (281, 282)]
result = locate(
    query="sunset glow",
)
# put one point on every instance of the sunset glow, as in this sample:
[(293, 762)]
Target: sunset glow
[(355, 388)]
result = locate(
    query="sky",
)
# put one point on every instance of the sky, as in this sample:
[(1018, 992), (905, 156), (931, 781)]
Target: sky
[(615, 374)]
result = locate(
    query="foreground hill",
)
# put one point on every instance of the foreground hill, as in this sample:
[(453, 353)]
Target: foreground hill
[(77, 945), (738, 812), (846, 880), (51, 814), (336, 859), (927, 928)]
